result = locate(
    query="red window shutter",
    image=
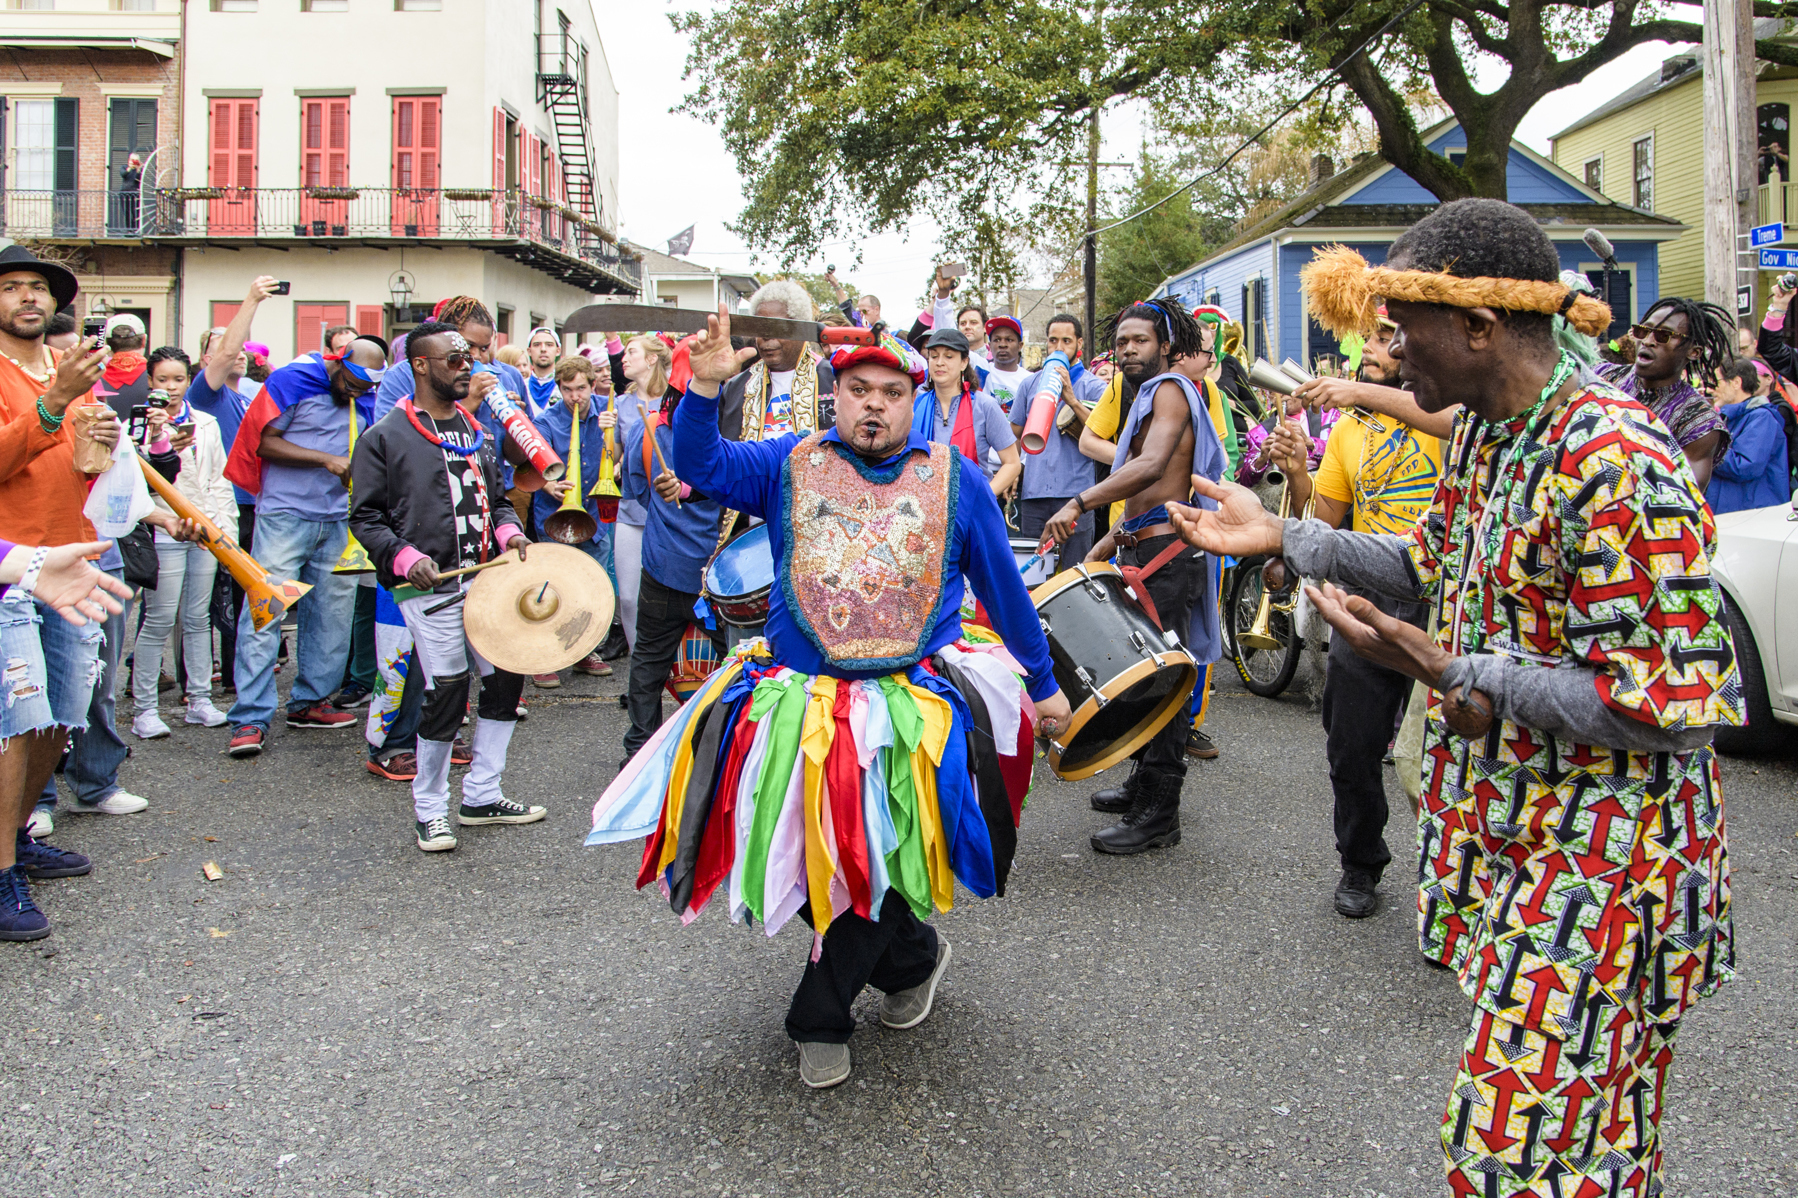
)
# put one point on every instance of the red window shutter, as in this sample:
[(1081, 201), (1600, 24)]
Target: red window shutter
[(371, 319), (310, 322), (430, 149), (222, 128), (233, 150), (337, 142), (499, 149), (312, 142), (404, 130), (222, 312), (245, 173)]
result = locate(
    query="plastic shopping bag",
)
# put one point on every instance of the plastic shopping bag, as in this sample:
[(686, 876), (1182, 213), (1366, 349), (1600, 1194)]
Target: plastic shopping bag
[(120, 497)]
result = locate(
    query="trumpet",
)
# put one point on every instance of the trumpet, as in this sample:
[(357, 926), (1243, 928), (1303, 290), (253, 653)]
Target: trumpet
[(269, 597), (1355, 412), (571, 524)]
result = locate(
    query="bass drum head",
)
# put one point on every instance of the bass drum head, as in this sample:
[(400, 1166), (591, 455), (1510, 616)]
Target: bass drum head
[(1139, 703)]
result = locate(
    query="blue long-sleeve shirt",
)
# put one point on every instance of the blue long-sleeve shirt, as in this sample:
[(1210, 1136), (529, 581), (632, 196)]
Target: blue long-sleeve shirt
[(677, 541), (746, 477), (1753, 471), (557, 425)]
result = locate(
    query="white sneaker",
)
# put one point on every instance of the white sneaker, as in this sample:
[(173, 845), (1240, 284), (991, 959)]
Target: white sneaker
[(40, 824), (149, 726), (201, 711), (119, 802)]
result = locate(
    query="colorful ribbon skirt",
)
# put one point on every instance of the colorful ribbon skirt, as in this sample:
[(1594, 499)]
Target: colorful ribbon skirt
[(787, 789)]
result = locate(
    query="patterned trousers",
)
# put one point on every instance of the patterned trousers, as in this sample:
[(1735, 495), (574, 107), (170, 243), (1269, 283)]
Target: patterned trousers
[(1547, 1118)]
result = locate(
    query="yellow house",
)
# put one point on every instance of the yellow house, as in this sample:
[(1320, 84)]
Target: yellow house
[(1645, 148)]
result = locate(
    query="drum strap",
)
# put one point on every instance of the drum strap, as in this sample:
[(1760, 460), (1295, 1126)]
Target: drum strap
[(1137, 576)]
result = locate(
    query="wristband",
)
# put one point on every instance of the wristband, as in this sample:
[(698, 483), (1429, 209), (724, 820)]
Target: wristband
[(1081, 504), (28, 580)]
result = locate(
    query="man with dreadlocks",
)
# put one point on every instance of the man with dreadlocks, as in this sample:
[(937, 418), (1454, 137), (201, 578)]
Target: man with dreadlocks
[(1679, 338), (1167, 439), (1574, 869)]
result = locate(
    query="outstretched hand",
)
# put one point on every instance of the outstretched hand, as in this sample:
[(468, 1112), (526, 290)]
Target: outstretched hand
[(76, 588), (1379, 637), (710, 356), (1240, 526)]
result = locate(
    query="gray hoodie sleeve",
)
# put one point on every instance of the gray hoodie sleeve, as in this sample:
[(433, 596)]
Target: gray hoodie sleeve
[(1564, 702), (1371, 562)]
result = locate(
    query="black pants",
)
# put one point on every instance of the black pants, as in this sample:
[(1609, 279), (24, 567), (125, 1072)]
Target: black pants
[(1361, 704), (1174, 588), (227, 598), (663, 614), (894, 953), (1034, 513)]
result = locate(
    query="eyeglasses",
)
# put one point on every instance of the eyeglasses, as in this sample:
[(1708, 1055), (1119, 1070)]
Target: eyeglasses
[(1660, 334), (457, 360)]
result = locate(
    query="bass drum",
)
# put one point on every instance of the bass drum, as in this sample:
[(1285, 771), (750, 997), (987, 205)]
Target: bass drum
[(1124, 677)]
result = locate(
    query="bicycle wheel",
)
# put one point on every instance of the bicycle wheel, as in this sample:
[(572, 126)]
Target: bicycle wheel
[(1266, 672)]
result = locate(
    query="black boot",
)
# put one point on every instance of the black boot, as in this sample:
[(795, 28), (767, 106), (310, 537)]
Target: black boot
[(1119, 798), (614, 646), (1153, 820)]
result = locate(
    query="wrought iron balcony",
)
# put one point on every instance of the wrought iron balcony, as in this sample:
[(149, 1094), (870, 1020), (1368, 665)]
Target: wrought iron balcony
[(540, 232)]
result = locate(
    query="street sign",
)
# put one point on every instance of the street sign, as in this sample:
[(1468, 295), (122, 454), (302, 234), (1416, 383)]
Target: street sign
[(1744, 301), (1779, 259), (1771, 234)]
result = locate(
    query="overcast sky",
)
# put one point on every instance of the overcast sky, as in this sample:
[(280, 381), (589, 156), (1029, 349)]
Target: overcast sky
[(676, 172)]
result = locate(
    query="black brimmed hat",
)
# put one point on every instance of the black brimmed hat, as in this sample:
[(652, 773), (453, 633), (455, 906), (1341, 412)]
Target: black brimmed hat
[(61, 279)]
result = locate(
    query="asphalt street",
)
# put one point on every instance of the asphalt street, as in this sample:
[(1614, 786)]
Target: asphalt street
[(342, 1014)]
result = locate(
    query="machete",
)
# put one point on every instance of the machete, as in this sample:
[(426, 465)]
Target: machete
[(656, 318)]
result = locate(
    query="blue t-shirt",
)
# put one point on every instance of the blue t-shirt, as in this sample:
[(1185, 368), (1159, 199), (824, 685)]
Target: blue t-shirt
[(1060, 471), (227, 406), (311, 492)]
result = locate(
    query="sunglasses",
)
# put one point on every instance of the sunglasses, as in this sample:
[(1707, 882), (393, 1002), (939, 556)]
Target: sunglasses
[(457, 360), (1659, 334)]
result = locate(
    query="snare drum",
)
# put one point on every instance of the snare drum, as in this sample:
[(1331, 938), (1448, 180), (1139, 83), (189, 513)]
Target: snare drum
[(1124, 678), (739, 579), (1023, 549)]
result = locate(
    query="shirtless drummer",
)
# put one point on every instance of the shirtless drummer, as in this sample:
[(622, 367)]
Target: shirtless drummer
[(1167, 438)]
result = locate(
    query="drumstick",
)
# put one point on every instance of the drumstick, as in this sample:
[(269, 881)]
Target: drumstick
[(655, 447), (442, 574)]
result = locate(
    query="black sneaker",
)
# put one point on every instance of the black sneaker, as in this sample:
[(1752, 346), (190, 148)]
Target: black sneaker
[(352, 696), (1199, 745), (436, 835), (38, 860), (1358, 894), (502, 811), (19, 917)]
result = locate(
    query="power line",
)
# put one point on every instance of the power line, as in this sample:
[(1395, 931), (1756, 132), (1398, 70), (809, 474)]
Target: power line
[(1327, 81)]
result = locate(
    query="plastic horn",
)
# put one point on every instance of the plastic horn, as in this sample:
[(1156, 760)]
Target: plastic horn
[(571, 524), (269, 598), (519, 427), (354, 559), (1042, 404), (605, 490)]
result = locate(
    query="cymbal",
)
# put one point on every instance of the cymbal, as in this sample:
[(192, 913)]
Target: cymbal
[(541, 614)]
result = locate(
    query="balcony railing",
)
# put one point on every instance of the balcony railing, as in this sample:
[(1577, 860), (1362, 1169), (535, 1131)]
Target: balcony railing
[(1778, 201), (321, 215)]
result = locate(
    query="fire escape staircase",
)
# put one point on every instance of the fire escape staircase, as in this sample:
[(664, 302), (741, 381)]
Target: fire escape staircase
[(562, 90)]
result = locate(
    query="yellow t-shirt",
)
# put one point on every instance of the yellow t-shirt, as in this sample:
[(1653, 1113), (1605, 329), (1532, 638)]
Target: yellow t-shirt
[(1387, 475), (1108, 414)]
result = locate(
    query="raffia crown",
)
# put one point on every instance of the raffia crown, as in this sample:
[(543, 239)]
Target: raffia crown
[(1343, 293)]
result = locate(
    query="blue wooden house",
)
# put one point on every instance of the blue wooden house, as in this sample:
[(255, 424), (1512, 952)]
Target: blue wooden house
[(1255, 276)]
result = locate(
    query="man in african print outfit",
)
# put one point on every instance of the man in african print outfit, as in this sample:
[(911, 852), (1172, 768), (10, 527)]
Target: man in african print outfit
[(1378, 474), (1574, 869), (783, 783)]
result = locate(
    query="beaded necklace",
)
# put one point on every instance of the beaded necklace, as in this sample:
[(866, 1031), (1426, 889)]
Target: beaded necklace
[(1507, 481)]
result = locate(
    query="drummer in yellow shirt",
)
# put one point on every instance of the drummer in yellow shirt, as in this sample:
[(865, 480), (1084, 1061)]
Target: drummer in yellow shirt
[(1378, 475)]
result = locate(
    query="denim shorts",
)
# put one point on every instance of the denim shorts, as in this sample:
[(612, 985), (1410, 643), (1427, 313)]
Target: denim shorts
[(47, 667)]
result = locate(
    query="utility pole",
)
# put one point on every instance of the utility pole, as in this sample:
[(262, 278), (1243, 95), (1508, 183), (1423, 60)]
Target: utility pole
[(1092, 222), (1730, 178)]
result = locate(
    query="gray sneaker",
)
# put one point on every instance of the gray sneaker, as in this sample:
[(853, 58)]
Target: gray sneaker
[(822, 1066), (909, 1008)]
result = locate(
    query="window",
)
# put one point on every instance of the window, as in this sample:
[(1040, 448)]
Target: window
[(325, 5), (1595, 173), (417, 149), (233, 5), (34, 5), (1642, 194), (34, 145), (418, 5), (310, 320), (233, 165), (325, 142), (134, 5)]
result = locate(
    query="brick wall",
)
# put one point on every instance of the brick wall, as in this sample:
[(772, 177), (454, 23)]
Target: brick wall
[(82, 74)]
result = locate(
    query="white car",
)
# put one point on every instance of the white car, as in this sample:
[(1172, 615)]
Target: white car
[(1757, 568)]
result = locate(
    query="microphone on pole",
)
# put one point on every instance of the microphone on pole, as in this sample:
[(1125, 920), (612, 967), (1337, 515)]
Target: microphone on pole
[(1599, 244)]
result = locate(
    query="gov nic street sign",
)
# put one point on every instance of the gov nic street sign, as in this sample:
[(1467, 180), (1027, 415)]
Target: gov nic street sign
[(1779, 259), (1771, 234)]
